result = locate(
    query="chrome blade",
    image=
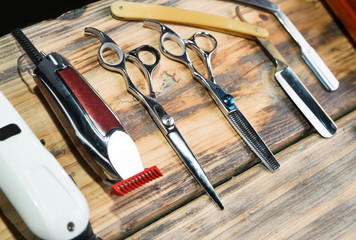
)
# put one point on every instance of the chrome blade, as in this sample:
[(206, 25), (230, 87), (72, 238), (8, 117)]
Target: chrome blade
[(309, 55), (319, 68), (188, 158), (296, 90), (306, 103), (253, 139)]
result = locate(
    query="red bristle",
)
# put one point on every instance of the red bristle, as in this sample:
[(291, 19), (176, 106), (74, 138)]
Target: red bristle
[(141, 180), (124, 188), (135, 183), (127, 185), (153, 174), (147, 176)]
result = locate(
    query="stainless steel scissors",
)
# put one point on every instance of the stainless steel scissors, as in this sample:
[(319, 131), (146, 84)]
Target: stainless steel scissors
[(224, 101), (164, 121)]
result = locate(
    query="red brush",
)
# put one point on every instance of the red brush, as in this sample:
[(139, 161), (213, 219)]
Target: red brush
[(129, 184)]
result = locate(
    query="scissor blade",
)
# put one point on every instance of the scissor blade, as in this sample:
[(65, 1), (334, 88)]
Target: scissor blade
[(253, 139), (306, 103), (226, 104), (188, 158)]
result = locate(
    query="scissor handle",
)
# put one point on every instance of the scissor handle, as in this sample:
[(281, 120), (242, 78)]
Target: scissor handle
[(146, 68), (168, 34), (182, 56), (107, 44), (204, 53), (175, 38), (207, 51), (120, 66)]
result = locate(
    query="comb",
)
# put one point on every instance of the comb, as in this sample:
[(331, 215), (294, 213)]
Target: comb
[(127, 185)]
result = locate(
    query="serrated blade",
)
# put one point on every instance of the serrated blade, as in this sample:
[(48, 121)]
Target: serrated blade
[(253, 139)]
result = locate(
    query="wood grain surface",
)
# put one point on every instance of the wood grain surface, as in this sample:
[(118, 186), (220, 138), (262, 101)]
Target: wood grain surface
[(240, 67), (312, 196)]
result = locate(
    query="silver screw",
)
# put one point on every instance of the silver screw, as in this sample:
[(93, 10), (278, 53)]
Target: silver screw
[(70, 227), (167, 120)]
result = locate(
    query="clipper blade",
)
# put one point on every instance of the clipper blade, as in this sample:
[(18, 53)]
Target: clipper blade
[(127, 185)]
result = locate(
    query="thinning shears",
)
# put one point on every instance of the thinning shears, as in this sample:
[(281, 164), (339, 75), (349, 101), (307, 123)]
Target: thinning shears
[(164, 121), (224, 101)]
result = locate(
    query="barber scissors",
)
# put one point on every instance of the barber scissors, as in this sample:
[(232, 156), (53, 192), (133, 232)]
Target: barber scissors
[(164, 121), (224, 101)]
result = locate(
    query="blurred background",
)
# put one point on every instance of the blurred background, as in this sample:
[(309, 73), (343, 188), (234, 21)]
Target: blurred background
[(19, 14)]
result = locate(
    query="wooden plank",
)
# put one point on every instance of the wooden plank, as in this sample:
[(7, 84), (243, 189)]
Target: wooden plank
[(5, 232), (239, 66), (313, 196), (11, 224)]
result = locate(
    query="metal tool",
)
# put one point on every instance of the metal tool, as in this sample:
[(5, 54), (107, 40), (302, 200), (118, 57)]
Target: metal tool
[(164, 121), (142, 11), (93, 127), (224, 101), (309, 55), (42, 193), (296, 90)]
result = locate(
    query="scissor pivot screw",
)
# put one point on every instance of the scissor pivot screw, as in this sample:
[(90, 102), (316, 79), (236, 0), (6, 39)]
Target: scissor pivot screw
[(228, 100), (167, 120)]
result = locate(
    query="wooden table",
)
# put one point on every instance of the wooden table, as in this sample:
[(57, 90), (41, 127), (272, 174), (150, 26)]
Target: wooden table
[(312, 196)]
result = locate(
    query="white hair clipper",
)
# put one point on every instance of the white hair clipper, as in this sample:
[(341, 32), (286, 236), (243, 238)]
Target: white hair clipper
[(43, 194)]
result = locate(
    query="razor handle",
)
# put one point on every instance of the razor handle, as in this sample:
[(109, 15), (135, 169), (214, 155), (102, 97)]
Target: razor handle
[(86, 118)]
